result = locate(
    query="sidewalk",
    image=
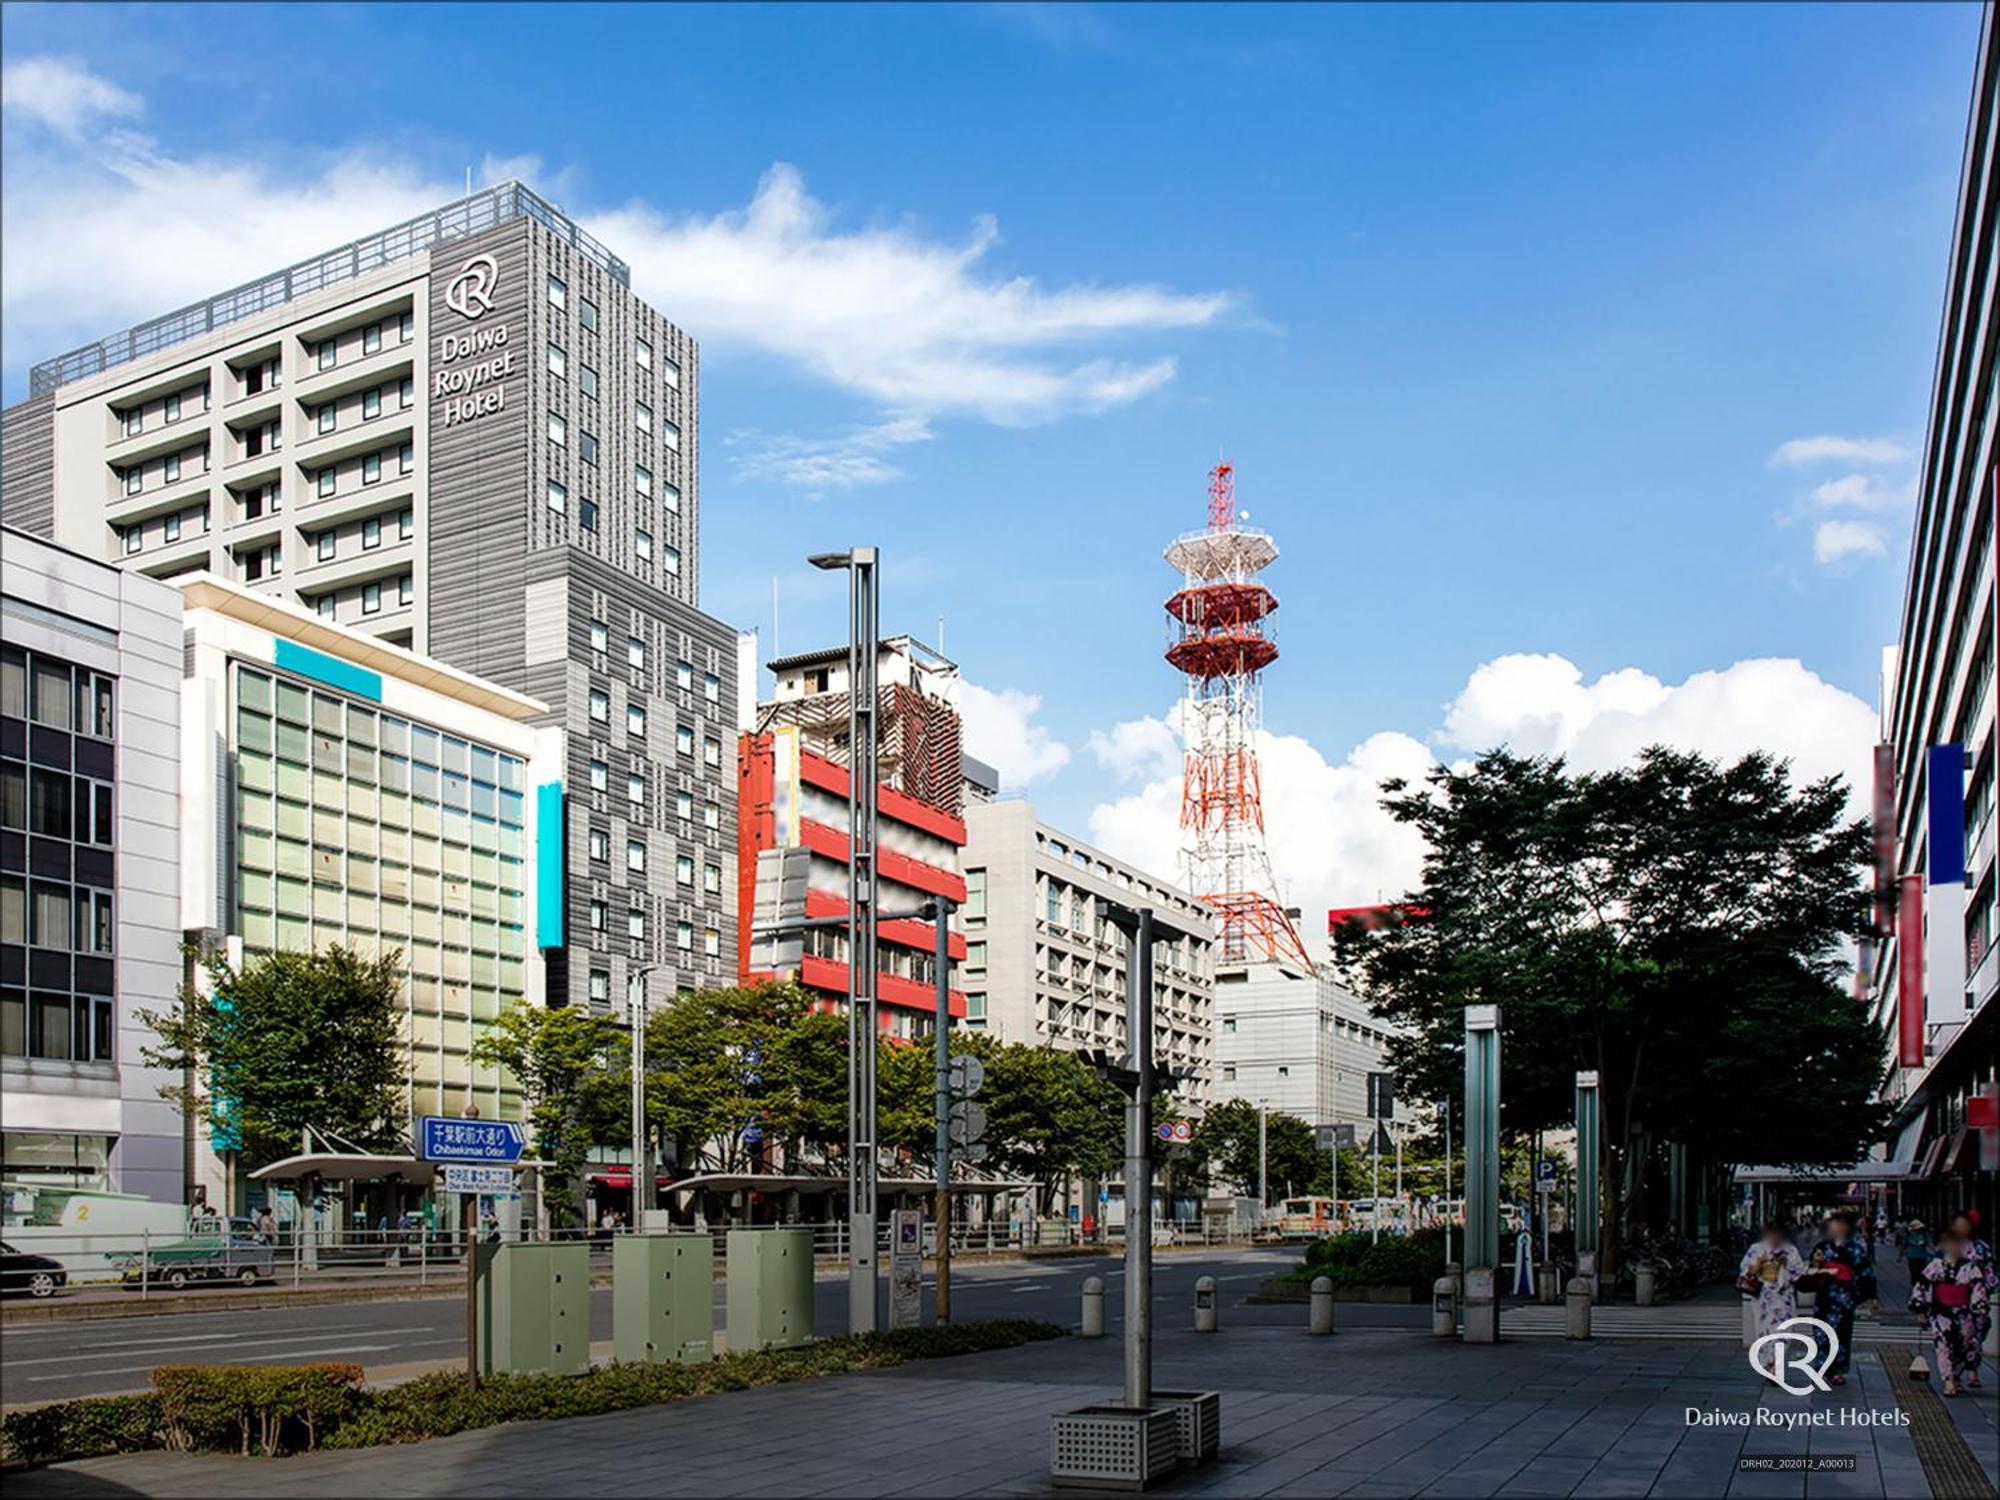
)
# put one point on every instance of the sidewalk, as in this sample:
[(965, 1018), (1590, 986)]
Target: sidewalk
[(1369, 1412)]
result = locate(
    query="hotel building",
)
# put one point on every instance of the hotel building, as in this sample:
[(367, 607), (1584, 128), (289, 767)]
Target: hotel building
[(464, 436)]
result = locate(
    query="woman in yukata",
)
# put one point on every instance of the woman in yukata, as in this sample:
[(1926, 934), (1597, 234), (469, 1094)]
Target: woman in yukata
[(1771, 1269), (1846, 1280), (1952, 1301)]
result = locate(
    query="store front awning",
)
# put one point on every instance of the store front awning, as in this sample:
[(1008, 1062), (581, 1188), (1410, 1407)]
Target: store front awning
[(349, 1166), (1858, 1172)]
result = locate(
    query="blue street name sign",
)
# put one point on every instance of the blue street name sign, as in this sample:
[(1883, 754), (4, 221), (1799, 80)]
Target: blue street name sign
[(440, 1138)]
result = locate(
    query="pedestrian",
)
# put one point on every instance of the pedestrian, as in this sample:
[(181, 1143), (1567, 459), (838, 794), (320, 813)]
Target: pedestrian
[(1916, 1248), (1952, 1302), (1847, 1280), (1980, 1253), (1771, 1269), (267, 1225)]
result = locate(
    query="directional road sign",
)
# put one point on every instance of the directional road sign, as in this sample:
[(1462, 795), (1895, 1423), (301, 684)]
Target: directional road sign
[(463, 1179), (440, 1138)]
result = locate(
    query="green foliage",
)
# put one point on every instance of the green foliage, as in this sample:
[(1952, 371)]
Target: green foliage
[(1050, 1117), (90, 1428), (1413, 1261), (1225, 1145), (573, 1068), (1677, 926), (284, 1408), (291, 1040)]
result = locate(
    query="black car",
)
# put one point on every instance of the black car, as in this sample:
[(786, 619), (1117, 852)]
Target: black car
[(37, 1275)]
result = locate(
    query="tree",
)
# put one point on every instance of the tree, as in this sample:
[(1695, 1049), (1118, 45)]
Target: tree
[(755, 1057), (1226, 1144), (1676, 925), (572, 1067), (290, 1040)]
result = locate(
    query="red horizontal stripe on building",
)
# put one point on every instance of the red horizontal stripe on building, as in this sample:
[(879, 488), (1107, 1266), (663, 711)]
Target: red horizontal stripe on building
[(900, 868), (919, 935), (891, 989), (817, 770)]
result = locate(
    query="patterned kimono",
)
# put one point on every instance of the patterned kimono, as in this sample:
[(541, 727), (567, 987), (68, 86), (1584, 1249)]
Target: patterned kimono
[(1769, 1275), (1852, 1283), (1980, 1253), (1953, 1299)]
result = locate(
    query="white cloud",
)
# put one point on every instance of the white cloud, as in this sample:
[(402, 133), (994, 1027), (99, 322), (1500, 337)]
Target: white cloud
[(1000, 729), (1847, 450), (893, 313), (56, 92), (1331, 843), (1863, 492), (1843, 541), (817, 465)]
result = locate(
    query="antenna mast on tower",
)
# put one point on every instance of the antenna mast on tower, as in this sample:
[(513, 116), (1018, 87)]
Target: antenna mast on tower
[(1221, 639)]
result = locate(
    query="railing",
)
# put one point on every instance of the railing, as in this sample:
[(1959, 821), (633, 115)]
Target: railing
[(468, 216)]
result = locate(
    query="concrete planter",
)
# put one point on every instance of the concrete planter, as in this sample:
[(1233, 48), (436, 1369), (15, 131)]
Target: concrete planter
[(1199, 1414), (1113, 1447)]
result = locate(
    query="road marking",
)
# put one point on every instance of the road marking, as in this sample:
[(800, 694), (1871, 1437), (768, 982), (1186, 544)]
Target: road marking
[(116, 1351), (262, 1354)]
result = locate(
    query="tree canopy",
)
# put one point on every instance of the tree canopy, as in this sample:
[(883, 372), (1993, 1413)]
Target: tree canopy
[(1676, 925), (290, 1040), (573, 1069)]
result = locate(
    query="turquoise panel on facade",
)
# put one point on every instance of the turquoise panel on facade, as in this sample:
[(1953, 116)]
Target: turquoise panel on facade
[(331, 670), (549, 865)]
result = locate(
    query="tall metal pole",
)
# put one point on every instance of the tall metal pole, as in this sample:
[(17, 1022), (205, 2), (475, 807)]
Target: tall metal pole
[(1447, 1182), (1375, 1203), (1482, 1174), (941, 908), (1263, 1162), (642, 1163), (1589, 1226), (1139, 1166)]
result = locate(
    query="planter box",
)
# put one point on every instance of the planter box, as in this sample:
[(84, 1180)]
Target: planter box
[(1200, 1416), (1113, 1447)]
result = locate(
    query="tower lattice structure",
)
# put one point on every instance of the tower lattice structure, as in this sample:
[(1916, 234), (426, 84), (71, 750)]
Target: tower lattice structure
[(1221, 640)]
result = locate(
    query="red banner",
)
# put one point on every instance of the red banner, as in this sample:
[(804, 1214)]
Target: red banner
[(1885, 839), (1910, 973)]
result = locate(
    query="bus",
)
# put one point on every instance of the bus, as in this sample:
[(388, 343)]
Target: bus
[(1307, 1218)]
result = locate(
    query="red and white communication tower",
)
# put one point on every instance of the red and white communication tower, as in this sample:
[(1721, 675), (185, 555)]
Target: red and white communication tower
[(1221, 638)]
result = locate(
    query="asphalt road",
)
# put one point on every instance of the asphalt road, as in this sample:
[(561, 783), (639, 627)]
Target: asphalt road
[(49, 1361)]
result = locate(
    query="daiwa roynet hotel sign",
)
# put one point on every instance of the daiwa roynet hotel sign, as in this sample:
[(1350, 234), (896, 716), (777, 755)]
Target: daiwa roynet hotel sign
[(473, 363)]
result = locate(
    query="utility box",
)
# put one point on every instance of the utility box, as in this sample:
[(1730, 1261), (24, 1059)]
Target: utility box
[(663, 1298), (534, 1309), (770, 1298)]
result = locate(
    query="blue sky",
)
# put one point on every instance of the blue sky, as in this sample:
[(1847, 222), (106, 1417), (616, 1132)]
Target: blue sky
[(1505, 315)]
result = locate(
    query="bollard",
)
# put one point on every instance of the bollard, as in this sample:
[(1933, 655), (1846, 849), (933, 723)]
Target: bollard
[(1444, 1308), (1457, 1274), (1204, 1305), (1321, 1320), (1586, 1267), (1482, 1305), (1093, 1308), (1548, 1285), (1644, 1280), (1578, 1324)]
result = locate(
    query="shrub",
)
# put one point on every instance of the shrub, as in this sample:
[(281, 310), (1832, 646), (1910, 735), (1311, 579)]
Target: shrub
[(205, 1407), (1413, 1261), (89, 1428)]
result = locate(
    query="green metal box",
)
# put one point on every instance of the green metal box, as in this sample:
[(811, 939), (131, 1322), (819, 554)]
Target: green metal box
[(663, 1298), (534, 1309), (770, 1298)]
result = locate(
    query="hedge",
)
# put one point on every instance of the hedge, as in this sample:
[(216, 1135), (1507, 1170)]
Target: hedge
[(274, 1409), (1357, 1259)]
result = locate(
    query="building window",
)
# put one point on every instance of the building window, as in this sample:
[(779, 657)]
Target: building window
[(371, 598), (371, 469), (684, 739), (328, 544), (635, 856), (1229, 1025), (371, 339), (711, 751), (684, 674), (558, 362), (642, 543), (643, 353), (711, 879), (711, 941), (684, 936), (635, 652), (670, 559), (635, 925), (642, 414), (711, 815), (406, 590), (600, 636), (406, 524), (135, 480), (586, 313), (586, 515), (586, 381), (670, 434), (170, 528), (671, 374), (326, 604), (711, 687), (558, 293), (406, 392), (635, 720), (406, 327), (684, 869), (586, 447), (329, 353), (170, 470), (171, 411), (558, 430), (371, 405), (406, 458), (135, 538), (558, 497), (600, 775), (327, 480), (328, 417), (600, 844), (642, 479), (371, 533), (684, 804), (597, 916), (635, 788), (600, 987), (600, 706), (135, 422)]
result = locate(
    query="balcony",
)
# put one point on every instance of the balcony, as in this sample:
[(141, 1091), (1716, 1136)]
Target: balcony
[(159, 439), (356, 371), (356, 439), (190, 490)]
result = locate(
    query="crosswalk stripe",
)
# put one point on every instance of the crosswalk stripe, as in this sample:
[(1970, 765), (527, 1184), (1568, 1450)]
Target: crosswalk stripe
[(1701, 1323)]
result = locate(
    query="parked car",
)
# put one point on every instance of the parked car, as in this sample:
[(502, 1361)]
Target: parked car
[(216, 1250), (36, 1275)]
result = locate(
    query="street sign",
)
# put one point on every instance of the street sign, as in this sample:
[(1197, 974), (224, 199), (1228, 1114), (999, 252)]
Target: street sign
[(906, 1268), (1381, 1095), (968, 1122), (1327, 1137), (1382, 1143), (1545, 1176), (463, 1179), (967, 1074), (753, 1132), (975, 1152), (441, 1138), (1175, 1132)]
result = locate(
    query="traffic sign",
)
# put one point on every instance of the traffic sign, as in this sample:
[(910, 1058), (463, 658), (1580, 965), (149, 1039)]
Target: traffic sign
[(967, 1074), (1545, 1176), (1174, 1132), (1327, 1137), (464, 1179), (441, 1138), (968, 1122)]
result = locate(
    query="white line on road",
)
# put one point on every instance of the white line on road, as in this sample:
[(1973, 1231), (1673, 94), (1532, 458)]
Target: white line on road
[(262, 1354), (117, 1351)]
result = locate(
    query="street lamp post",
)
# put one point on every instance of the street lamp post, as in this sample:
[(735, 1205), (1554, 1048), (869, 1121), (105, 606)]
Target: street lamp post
[(1263, 1162), (642, 1165), (863, 637), (940, 910)]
